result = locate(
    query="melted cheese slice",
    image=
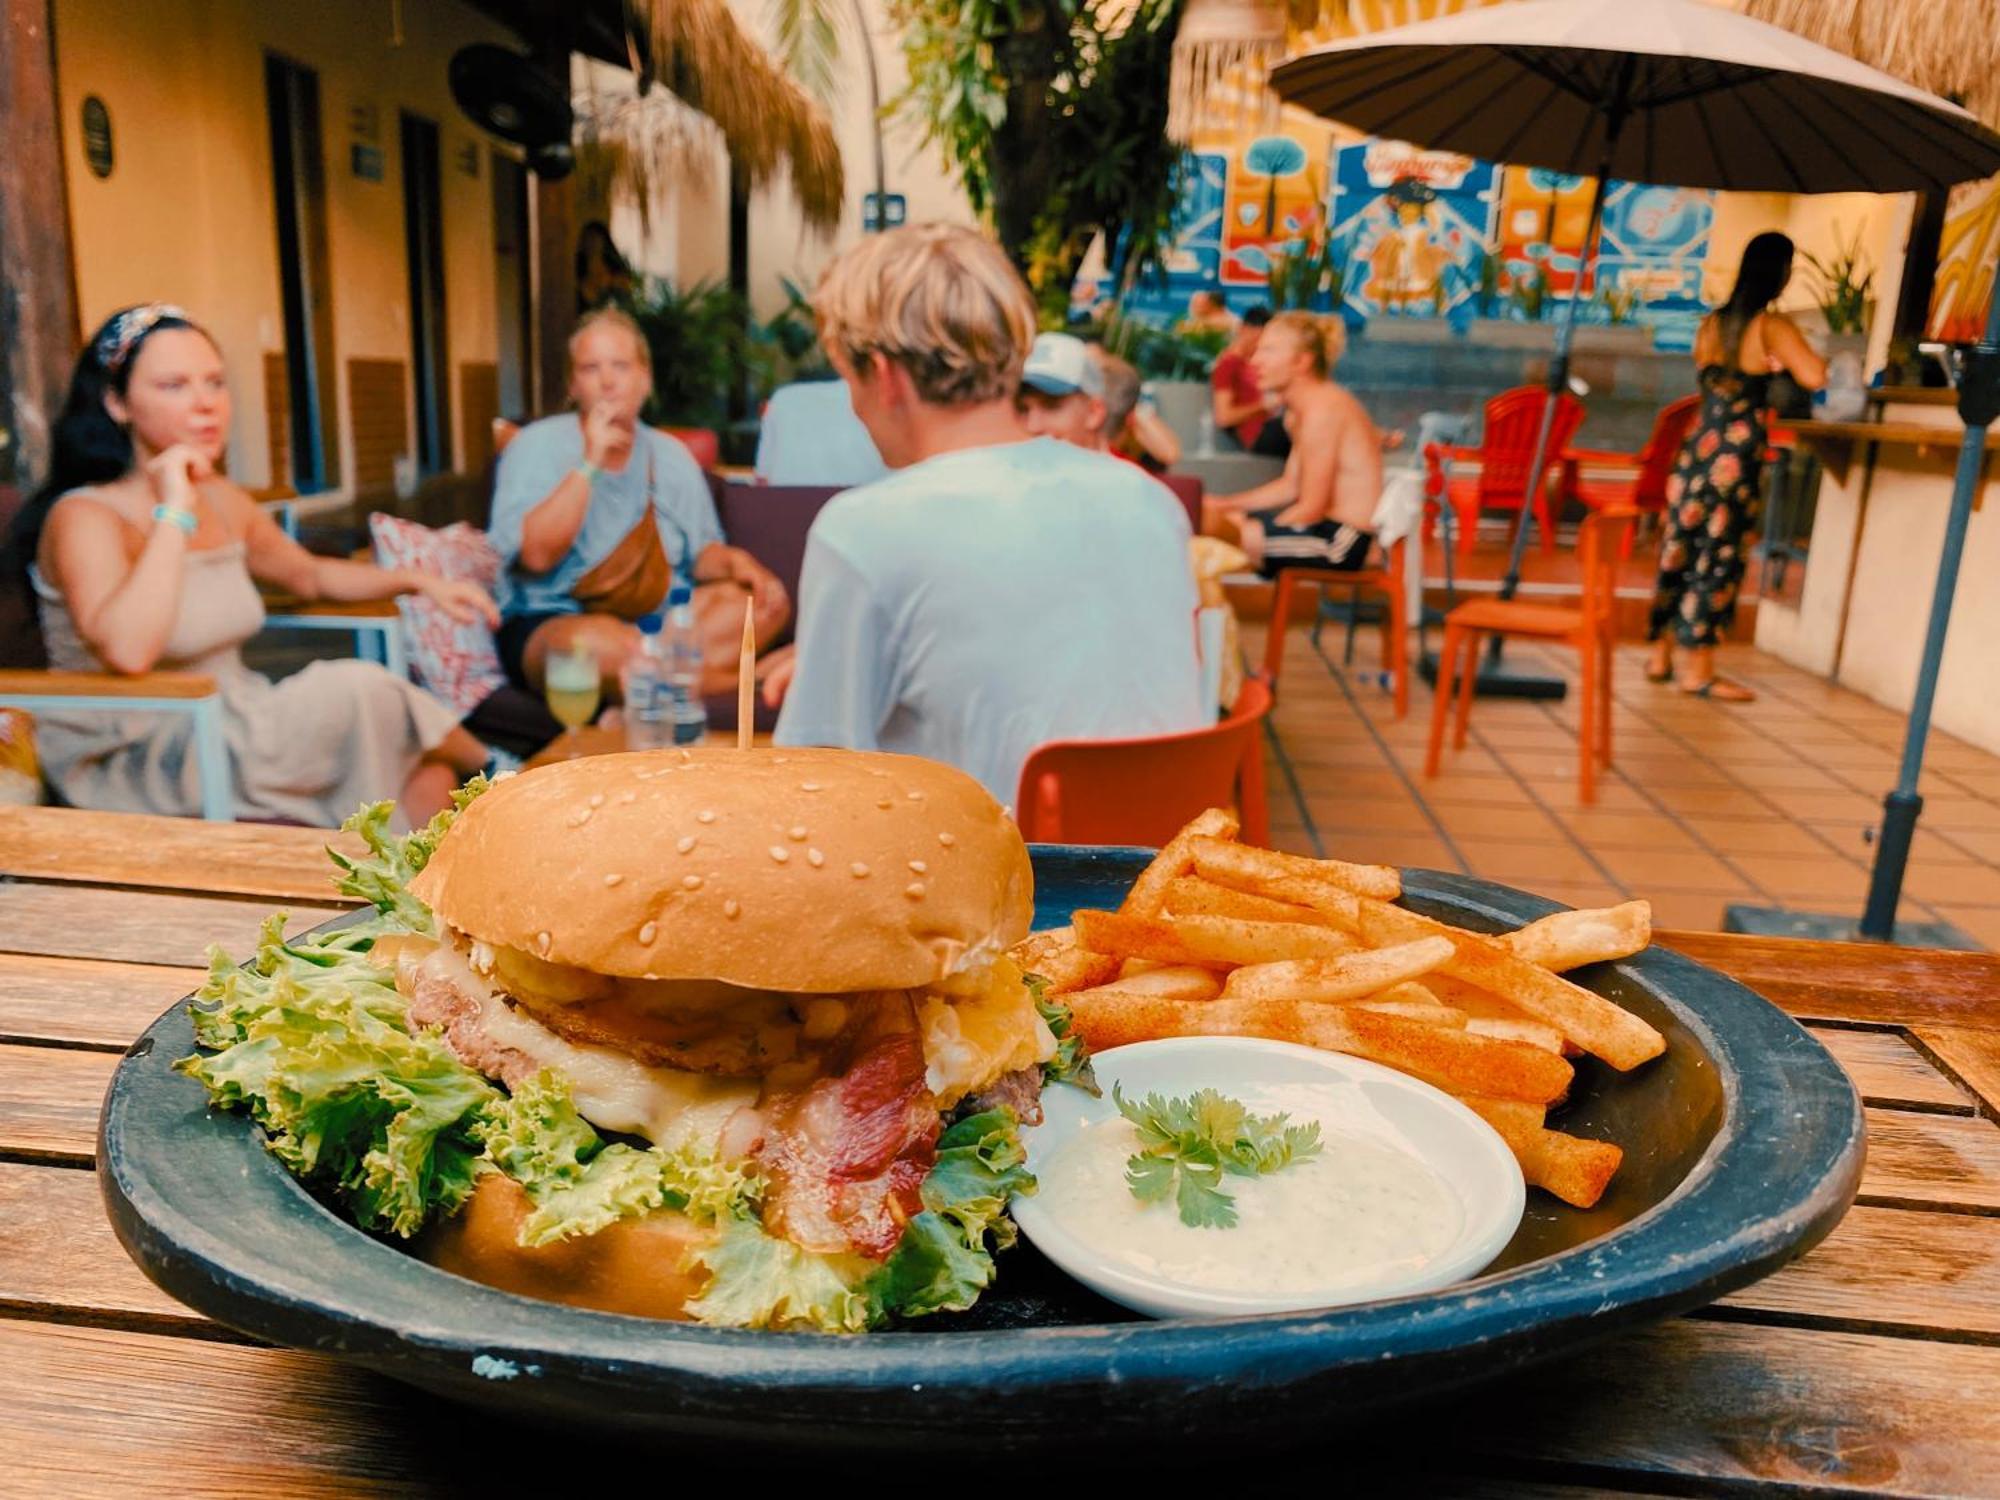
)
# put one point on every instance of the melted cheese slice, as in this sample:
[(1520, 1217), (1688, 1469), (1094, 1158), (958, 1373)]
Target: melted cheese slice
[(975, 1037), (613, 1090)]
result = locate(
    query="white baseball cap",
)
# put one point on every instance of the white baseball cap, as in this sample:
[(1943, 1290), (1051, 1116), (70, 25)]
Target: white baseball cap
[(1060, 364)]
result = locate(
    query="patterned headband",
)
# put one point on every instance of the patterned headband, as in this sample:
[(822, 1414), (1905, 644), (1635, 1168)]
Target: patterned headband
[(122, 334)]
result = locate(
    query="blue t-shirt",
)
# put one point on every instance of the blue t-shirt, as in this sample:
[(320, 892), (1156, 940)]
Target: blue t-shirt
[(535, 462), (983, 602)]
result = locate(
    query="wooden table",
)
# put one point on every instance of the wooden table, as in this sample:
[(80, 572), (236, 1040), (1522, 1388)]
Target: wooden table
[(609, 739), (1872, 1366)]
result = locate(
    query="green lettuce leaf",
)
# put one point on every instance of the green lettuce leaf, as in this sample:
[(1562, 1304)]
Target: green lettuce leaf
[(348, 1098), (757, 1280), (945, 1257), (382, 878), (1071, 1064)]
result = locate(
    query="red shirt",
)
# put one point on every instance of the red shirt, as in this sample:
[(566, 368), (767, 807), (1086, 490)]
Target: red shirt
[(1232, 373)]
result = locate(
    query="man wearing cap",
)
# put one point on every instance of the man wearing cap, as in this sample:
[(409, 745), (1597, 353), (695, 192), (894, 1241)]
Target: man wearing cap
[(1062, 391)]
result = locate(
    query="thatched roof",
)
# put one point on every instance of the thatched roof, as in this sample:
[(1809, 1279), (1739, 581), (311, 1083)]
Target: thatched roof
[(773, 127), (1951, 47)]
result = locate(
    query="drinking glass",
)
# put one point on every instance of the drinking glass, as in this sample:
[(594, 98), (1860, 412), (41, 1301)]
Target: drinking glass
[(572, 686)]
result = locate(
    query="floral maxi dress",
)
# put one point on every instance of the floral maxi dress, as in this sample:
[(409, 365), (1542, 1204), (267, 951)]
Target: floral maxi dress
[(1712, 501)]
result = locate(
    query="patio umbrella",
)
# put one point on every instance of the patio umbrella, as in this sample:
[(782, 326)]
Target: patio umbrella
[(1682, 93)]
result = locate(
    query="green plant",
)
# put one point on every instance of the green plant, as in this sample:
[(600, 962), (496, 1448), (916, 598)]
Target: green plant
[(1300, 277), (1053, 113), (1620, 303), (791, 338), (701, 344), (1529, 290), (1162, 353), (1842, 286)]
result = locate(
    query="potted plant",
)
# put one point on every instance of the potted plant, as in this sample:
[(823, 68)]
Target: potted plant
[(1843, 286)]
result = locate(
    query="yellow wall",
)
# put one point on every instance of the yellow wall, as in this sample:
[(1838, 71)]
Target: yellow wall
[(187, 212)]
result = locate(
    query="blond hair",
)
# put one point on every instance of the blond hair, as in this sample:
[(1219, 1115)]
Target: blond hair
[(610, 317), (941, 301), (1324, 339)]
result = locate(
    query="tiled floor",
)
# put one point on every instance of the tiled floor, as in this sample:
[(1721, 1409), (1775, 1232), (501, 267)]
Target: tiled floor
[(1770, 803)]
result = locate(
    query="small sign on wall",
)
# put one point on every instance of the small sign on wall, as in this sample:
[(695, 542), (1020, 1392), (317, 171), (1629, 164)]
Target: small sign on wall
[(364, 121), (468, 159), (365, 162), (97, 136)]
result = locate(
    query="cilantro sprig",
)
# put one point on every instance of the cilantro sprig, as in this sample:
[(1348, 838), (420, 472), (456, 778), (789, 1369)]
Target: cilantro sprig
[(1189, 1145)]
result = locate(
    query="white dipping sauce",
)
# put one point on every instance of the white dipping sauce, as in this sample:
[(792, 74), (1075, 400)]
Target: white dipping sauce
[(1360, 1212)]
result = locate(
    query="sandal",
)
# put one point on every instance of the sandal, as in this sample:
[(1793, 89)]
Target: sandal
[(1730, 692), (1652, 676)]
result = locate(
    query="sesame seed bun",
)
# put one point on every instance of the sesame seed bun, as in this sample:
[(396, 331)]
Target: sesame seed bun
[(813, 871)]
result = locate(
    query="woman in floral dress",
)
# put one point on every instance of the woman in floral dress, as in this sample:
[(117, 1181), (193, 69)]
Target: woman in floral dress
[(1714, 492)]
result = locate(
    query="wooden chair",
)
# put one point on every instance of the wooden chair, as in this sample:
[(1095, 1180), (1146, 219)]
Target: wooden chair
[(1590, 628), (1602, 479), (1494, 476), (1386, 580), (1144, 791), (191, 693)]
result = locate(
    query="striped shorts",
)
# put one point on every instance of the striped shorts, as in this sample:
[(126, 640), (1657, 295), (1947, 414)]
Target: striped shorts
[(1330, 545)]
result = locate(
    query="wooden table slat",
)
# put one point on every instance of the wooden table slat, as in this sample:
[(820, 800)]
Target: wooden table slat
[(85, 1002), (183, 854), (1935, 1160), (49, 1102), (141, 927), (59, 1258), (1974, 1056), (1889, 1269), (1855, 981), (1888, 1070), (1710, 1403)]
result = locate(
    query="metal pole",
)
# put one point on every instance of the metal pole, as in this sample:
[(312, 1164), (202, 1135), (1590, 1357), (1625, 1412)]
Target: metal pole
[(1978, 406), (874, 116), (1559, 360)]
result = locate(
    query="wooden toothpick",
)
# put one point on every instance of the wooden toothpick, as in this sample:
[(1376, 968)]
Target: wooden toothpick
[(746, 676)]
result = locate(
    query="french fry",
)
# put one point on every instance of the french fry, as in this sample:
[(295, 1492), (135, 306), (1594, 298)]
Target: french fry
[(1237, 867), (1191, 896), (1172, 981), (1175, 860), (1216, 942), (1442, 1055), (1570, 939), (1489, 1015), (1576, 1170), (1432, 1013), (1268, 865), (1056, 956), (1592, 1022), (1349, 977)]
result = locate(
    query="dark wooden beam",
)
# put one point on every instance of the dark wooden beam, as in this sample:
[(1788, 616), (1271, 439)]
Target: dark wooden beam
[(38, 317), (555, 265)]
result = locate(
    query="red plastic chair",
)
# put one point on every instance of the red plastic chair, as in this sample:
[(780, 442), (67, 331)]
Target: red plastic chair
[(1591, 627), (704, 444), (1604, 479), (1144, 791), (1386, 580), (1494, 476), (1187, 489)]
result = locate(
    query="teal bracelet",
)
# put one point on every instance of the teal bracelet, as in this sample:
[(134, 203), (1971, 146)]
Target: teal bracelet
[(174, 516), (589, 471)]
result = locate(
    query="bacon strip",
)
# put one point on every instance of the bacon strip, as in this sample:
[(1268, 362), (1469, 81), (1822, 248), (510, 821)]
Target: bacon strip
[(846, 1156)]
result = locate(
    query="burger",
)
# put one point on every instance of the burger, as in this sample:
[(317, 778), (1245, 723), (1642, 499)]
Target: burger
[(763, 1049)]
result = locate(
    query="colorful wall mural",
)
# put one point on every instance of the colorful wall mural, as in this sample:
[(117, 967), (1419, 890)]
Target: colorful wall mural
[(1415, 233)]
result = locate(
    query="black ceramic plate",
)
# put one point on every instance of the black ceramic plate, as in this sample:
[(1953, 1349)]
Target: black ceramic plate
[(1743, 1149)]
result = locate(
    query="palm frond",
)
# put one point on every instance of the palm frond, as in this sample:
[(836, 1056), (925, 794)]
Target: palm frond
[(808, 34)]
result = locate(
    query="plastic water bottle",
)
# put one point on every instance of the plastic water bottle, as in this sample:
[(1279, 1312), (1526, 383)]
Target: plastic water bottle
[(680, 668), (1205, 440), (649, 718)]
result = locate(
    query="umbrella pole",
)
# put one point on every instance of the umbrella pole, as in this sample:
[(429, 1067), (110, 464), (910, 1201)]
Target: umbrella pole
[(1559, 363), (1978, 406)]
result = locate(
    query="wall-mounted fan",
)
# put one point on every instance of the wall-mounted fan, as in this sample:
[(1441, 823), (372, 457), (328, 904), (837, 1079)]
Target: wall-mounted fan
[(503, 92)]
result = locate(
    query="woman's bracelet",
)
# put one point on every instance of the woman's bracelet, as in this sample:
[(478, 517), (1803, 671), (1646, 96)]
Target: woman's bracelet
[(589, 471), (173, 515)]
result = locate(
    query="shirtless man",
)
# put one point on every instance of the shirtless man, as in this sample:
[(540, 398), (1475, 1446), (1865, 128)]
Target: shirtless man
[(1318, 512)]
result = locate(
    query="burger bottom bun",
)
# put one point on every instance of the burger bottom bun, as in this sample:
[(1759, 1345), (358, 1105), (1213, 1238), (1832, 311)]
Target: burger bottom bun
[(634, 1266)]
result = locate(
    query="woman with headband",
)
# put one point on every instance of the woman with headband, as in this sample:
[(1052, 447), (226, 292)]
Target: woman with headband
[(142, 557)]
